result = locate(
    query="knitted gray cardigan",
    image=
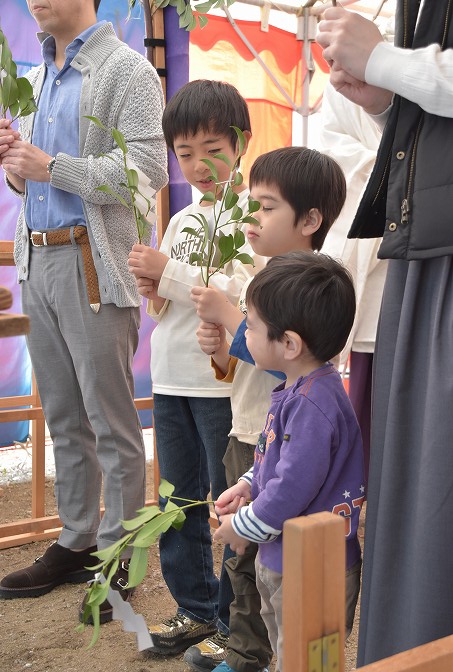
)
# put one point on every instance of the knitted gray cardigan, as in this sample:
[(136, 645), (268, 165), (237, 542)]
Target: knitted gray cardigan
[(122, 89)]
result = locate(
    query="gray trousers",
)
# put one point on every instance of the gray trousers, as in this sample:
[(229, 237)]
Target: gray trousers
[(83, 367)]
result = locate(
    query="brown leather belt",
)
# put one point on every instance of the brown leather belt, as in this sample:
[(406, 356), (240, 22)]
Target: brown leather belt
[(80, 236)]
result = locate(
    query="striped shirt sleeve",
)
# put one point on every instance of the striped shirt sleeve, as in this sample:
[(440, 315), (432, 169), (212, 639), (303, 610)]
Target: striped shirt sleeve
[(250, 527)]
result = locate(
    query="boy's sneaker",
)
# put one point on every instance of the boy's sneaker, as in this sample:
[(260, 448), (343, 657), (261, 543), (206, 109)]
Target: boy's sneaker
[(206, 655), (176, 634), (224, 667)]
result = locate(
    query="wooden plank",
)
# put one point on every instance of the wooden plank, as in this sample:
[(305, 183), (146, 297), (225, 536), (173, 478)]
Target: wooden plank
[(21, 414), (6, 253), (6, 298), (24, 400), (13, 325), (28, 538), (433, 657)]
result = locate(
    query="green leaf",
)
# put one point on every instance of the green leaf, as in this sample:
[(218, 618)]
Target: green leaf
[(249, 220), (230, 199), (166, 489), (150, 513), (31, 107), (209, 196), (96, 121), (226, 245), (239, 239), (95, 612), (138, 566), (254, 206), (142, 226), (14, 109), (97, 593), (10, 92), (157, 526), (196, 259), (6, 58), (241, 140), (119, 139), (180, 6), (204, 7), (236, 214), (179, 521), (107, 554), (193, 23), (132, 178), (192, 232), (201, 219), (238, 179), (212, 168), (245, 258), (108, 190), (24, 92), (224, 158), (202, 20)]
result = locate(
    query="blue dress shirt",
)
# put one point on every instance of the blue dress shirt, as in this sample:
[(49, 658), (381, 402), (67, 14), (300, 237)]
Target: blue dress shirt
[(56, 129)]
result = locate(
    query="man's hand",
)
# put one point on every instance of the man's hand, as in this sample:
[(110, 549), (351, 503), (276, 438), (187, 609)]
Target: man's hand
[(373, 99), (232, 499), (7, 136), (210, 303), (226, 534), (145, 262), (348, 40), (26, 161)]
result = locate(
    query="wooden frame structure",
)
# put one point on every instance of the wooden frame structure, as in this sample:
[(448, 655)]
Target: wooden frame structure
[(28, 407)]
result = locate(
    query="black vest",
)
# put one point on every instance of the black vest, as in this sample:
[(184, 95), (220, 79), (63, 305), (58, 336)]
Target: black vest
[(409, 197)]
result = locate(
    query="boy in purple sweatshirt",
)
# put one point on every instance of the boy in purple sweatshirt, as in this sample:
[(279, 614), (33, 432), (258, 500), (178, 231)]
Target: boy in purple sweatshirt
[(309, 458)]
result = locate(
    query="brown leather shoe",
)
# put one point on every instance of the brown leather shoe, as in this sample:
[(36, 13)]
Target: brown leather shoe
[(120, 583), (58, 565)]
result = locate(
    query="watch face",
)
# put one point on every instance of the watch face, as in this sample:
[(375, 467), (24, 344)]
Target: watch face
[(50, 166)]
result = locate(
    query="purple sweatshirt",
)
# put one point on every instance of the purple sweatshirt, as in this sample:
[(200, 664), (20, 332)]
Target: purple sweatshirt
[(309, 458)]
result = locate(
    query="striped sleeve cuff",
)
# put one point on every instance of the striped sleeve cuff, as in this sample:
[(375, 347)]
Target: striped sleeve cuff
[(247, 476), (250, 527)]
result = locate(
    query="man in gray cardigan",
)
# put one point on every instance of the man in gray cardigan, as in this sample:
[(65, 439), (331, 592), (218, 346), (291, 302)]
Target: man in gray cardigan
[(71, 248)]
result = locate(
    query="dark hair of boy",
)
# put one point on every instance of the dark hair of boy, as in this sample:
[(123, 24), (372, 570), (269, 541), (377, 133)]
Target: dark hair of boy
[(310, 294), (96, 5), (205, 105), (305, 179)]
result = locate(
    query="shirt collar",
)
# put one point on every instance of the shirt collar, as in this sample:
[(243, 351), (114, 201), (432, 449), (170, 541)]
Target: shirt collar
[(48, 44)]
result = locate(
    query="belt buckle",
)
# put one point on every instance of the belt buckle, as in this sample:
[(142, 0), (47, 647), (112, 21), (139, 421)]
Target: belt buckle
[(44, 238)]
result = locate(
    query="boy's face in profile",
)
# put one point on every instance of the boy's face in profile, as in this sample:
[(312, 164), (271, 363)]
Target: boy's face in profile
[(267, 354), (191, 149), (277, 232)]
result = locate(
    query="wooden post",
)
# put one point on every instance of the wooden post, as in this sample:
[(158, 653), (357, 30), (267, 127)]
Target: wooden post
[(313, 589)]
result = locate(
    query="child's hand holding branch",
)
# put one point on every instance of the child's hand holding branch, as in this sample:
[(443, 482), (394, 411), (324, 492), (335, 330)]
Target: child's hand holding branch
[(226, 534), (146, 262)]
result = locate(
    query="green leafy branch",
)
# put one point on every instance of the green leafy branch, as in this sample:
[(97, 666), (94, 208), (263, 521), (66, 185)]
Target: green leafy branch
[(185, 10), (224, 199), (143, 531), (140, 204), (16, 93)]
